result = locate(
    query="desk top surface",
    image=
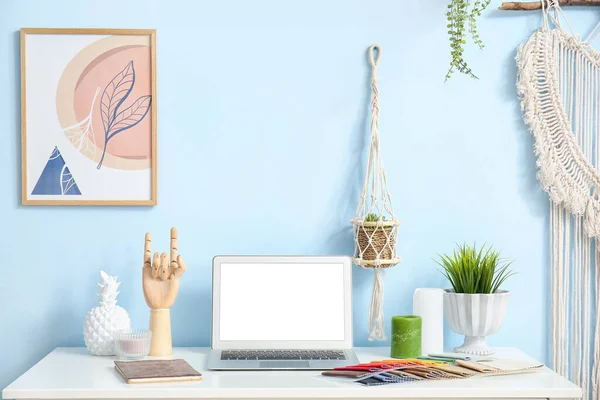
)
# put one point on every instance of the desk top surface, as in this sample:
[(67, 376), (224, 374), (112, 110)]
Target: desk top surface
[(71, 373)]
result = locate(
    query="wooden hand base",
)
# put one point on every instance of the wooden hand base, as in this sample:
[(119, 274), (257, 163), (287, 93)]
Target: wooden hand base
[(160, 325)]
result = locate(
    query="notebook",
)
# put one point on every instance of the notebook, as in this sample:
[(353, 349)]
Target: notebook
[(149, 371)]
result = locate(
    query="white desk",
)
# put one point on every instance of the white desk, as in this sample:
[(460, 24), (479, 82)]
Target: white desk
[(70, 373)]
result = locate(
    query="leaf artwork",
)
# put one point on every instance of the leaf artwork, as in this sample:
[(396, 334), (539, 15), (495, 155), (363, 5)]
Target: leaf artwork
[(115, 94), (56, 178), (130, 116), (82, 133), (66, 180), (113, 97)]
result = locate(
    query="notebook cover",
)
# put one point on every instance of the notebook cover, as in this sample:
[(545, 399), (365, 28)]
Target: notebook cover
[(157, 371)]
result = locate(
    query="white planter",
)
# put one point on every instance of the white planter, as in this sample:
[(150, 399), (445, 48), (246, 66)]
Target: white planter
[(475, 316)]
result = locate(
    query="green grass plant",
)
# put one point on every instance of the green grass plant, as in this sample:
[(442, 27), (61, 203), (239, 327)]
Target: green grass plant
[(472, 271)]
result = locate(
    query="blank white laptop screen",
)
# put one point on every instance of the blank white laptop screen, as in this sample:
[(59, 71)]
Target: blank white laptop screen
[(282, 301)]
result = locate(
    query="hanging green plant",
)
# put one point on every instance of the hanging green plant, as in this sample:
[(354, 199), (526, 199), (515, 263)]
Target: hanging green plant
[(462, 17)]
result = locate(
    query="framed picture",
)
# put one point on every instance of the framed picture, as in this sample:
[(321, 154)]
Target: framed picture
[(88, 117)]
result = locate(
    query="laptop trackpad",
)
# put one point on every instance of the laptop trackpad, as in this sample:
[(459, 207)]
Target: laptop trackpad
[(284, 364)]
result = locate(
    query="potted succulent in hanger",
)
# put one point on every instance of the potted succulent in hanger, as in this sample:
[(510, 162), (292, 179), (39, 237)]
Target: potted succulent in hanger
[(376, 238), (475, 306)]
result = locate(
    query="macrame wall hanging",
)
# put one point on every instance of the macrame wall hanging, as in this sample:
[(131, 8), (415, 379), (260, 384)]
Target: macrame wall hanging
[(559, 85), (375, 225)]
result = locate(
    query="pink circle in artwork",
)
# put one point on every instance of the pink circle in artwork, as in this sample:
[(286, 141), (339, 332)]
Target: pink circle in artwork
[(132, 143)]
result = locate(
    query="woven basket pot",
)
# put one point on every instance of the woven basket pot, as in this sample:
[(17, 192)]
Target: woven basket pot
[(383, 242)]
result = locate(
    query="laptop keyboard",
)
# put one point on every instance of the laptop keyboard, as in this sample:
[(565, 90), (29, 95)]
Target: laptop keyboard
[(282, 355)]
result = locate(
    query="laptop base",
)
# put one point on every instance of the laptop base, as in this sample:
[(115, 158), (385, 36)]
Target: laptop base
[(215, 363)]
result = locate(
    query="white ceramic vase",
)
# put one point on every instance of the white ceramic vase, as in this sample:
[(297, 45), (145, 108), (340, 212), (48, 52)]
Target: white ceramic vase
[(475, 316)]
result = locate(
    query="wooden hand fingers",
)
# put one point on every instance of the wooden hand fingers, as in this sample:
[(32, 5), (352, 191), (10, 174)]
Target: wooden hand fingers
[(148, 251), (181, 267), (174, 251), (164, 267), (156, 265)]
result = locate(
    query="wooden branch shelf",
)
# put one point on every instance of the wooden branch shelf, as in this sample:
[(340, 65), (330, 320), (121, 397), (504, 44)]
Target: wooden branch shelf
[(537, 5)]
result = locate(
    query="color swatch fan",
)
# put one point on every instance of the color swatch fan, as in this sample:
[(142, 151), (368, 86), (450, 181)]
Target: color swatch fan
[(375, 225)]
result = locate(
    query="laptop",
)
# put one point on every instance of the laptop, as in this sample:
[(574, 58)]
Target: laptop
[(281, 312)]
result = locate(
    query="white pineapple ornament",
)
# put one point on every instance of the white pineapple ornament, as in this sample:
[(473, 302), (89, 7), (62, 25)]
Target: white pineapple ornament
[(103, 321)]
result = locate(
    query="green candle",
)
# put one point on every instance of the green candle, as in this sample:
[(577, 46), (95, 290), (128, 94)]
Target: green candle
[(406, 336)]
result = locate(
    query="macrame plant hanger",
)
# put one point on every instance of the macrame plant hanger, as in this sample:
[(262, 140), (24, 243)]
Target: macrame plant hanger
[(375, 225), (559, 86)]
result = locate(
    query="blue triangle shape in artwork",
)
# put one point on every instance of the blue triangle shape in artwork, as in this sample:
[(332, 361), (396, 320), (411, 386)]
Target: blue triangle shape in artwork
[(56, 179)]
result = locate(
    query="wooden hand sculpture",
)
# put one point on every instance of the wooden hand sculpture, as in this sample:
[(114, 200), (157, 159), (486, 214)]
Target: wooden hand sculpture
[(160, 279)]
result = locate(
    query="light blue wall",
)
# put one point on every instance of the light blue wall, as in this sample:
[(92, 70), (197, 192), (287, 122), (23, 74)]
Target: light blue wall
[(263, 116)]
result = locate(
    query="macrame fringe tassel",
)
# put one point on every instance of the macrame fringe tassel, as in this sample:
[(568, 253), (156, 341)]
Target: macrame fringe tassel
[(559, 86), (376, 321)]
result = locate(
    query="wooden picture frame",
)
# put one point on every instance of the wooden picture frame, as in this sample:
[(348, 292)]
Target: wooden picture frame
[(88, 117)]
